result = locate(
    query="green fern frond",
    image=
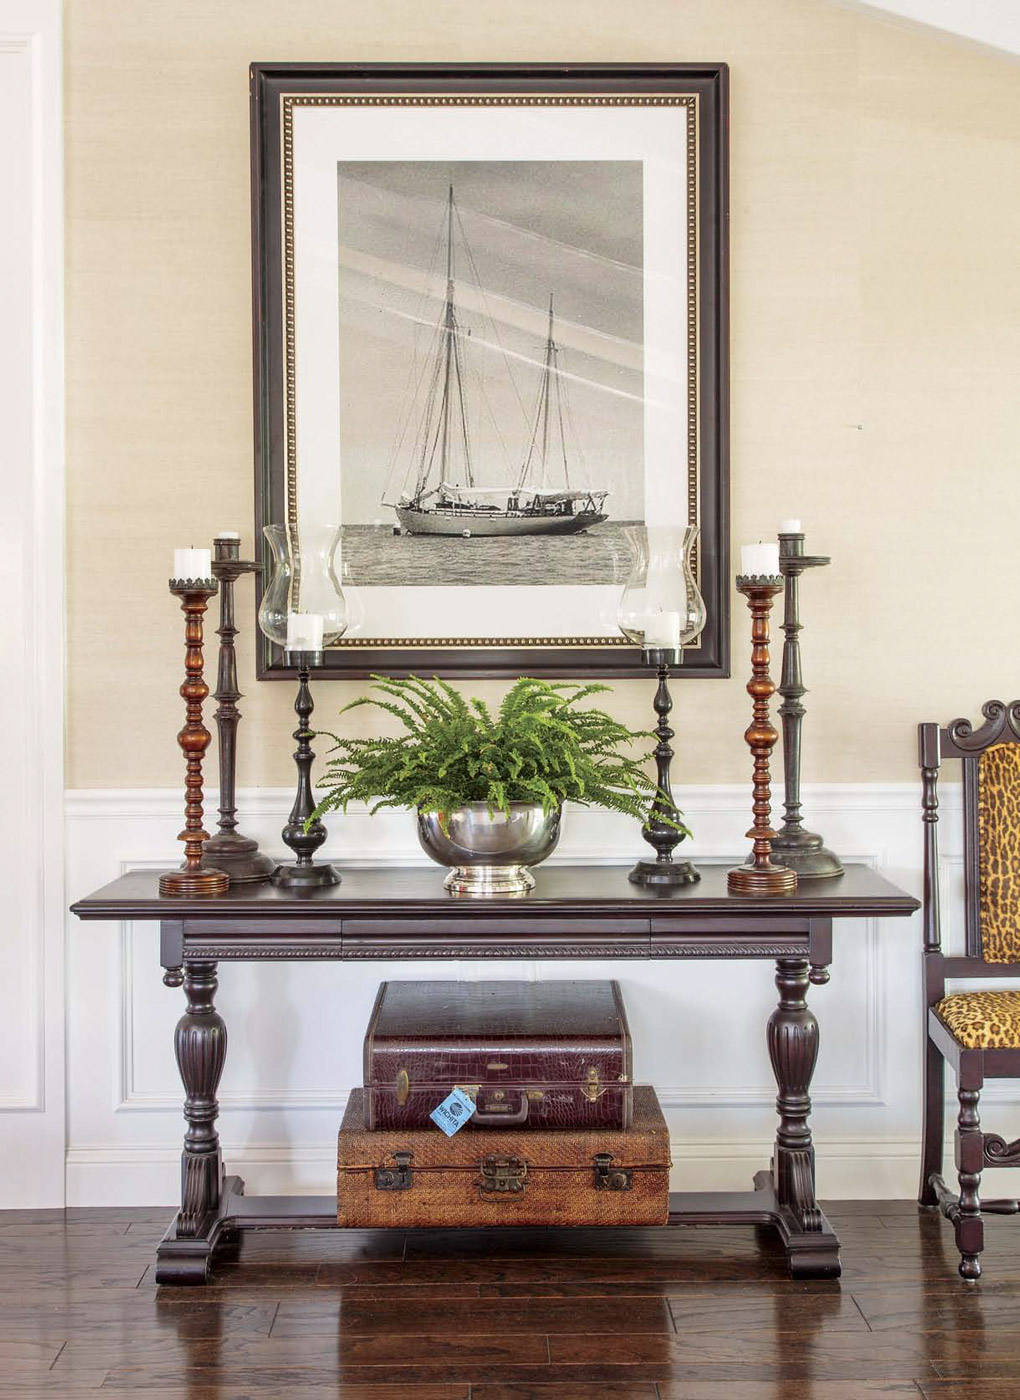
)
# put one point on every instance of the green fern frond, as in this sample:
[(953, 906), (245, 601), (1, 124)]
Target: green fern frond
[(544, 744)]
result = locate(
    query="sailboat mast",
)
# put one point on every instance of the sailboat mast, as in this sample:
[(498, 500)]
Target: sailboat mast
[(540, 422), (546, 386), (554, 375), (452, 368), (449, 330)]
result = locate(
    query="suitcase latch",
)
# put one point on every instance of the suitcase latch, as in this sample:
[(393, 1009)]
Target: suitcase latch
[(610, 1178), (502, 1176), (396, 1178)]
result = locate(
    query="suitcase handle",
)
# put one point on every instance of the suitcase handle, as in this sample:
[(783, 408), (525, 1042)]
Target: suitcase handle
[(500, 1120)]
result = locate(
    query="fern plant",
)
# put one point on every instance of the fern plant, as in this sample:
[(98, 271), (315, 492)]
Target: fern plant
[(541, 746)]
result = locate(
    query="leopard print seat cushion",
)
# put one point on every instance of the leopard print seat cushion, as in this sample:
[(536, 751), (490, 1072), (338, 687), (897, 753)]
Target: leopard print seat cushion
[(999, 852), (983, 1020)]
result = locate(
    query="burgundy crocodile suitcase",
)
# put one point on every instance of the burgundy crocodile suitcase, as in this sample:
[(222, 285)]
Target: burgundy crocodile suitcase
[(545, 1054)]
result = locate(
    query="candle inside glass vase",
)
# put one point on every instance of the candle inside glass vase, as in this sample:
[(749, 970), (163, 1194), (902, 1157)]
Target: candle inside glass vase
[(662, 631), (304, 631)]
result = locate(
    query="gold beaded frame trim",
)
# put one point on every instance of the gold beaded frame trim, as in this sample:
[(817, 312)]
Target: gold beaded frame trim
[(289, 101)]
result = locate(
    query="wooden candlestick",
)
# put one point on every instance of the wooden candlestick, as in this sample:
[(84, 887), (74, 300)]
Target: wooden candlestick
[(228, 850), (191, 880), (761, 876)]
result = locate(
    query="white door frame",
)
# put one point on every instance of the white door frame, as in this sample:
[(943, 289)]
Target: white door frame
[(32, 1107)]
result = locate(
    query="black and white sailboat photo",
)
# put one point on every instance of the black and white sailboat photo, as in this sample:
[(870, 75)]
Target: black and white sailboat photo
[(491, 371), (450, 493)]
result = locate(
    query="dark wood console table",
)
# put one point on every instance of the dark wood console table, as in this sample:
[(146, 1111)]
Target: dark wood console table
[(574, 912)]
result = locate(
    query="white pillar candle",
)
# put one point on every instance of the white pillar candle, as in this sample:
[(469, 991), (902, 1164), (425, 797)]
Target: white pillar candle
[(790, 527), (304, 632), (759, 559), (192, 563), (662, 631), (228, 534)]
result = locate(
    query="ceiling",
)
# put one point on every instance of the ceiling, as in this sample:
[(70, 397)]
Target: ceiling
[(995, 23)]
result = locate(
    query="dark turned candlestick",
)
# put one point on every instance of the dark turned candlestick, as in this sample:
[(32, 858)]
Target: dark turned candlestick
[(304, 873), (761, 876), (794, 847), (191, 880), (228, 850), (660, 831)]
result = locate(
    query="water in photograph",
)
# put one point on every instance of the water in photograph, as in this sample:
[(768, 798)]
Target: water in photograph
[(374, 556)]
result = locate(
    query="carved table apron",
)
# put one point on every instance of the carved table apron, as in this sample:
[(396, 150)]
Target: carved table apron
[(574, 912)]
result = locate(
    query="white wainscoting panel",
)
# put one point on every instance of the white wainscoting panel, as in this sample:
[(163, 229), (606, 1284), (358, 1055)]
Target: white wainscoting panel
[(295, 1029), (31, 582)]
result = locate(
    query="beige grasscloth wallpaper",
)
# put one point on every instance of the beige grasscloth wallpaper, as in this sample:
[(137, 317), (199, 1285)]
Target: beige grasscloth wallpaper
[(875, 347)]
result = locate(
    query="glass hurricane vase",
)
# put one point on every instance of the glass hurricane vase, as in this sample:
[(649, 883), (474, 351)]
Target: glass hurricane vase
[(661, 608), (303, 583)]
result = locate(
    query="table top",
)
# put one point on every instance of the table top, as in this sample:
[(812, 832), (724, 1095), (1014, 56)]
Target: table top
[(592, 891)]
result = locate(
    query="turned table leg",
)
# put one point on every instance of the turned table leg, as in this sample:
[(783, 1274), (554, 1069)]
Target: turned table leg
[(201, 1046), (200, 1043), (793, 1049)]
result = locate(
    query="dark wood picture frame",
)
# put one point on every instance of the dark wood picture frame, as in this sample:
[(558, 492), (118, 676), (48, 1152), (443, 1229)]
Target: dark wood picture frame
[(613, 84)]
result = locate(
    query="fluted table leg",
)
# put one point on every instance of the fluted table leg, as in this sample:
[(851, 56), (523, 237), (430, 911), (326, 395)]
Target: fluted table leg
[(811, 1245), (200, 1043), (793, 1050), (201, 1047)]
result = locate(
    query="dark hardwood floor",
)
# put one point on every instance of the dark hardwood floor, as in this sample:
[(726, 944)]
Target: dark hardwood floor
[(566, 1315)]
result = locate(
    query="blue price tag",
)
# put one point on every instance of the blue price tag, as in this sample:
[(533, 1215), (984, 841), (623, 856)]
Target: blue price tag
[(453, 1112)]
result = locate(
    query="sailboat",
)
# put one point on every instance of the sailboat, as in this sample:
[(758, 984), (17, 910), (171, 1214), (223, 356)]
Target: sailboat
[(446, 498)]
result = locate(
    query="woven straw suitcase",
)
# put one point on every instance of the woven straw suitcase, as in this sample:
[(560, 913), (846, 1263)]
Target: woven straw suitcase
[(504, 1176), (554, 1054)]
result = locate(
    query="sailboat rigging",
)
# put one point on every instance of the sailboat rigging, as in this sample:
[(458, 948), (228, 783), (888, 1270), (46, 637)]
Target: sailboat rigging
[(445, 496)]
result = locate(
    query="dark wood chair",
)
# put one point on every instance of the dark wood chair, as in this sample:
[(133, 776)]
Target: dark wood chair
[(978, 1032)]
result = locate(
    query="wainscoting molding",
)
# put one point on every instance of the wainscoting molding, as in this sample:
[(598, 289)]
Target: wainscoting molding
[(296, 1030)]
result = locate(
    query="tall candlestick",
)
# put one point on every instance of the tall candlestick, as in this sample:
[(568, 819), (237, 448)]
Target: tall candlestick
[(228, 849), (191, 880), (303, 836), (664, 829), (662, 610), (761, 877), (796, 848)]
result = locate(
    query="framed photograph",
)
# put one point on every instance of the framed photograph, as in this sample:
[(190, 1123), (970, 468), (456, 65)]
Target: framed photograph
[(490, 335)]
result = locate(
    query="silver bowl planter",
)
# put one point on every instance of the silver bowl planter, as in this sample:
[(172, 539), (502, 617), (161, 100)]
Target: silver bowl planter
[(489, 852)]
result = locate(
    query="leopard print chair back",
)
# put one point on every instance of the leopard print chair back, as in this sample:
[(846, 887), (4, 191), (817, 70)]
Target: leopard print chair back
[(977, 1033), (998, 823)]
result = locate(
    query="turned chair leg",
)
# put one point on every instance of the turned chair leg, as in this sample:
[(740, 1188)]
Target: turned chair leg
[(932, 1124), (970, 1228)]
